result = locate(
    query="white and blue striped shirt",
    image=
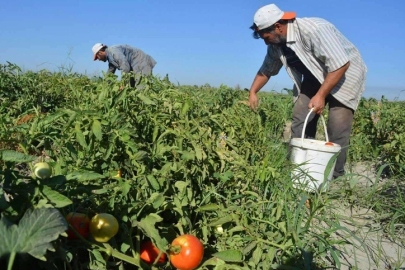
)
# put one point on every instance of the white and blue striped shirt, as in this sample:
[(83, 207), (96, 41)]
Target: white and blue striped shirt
[(322, 49)]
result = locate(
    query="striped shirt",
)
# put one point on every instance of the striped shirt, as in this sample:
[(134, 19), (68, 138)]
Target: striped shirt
[(322, 49)]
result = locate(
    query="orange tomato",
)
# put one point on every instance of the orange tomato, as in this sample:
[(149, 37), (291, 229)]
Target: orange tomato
[(329, 144), (149, 253), (80, 222), (186, 252)]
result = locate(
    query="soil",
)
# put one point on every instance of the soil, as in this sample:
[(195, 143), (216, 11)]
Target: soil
[(373, 248)]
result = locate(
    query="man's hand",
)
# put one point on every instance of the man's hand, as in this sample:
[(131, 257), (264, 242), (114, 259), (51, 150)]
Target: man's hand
[(259, 81), (253, 101), (318, 103), (332, 78)]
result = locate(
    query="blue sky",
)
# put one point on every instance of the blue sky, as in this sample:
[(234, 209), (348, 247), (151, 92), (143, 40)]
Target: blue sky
[(195, 42)]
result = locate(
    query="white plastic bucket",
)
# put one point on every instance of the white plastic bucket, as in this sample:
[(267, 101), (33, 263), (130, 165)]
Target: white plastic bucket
[(312, 158)]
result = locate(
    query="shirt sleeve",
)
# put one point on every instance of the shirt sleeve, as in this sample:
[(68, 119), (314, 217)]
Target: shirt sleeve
[(111, 68), (271, 65), (328, 47), (121, 61)]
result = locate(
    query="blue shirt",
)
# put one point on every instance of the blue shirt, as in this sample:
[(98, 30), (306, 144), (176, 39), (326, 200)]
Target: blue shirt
[(127, 58)]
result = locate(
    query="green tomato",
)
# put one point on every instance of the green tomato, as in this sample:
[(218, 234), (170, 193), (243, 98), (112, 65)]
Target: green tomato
[(42, 170), (219, 229), (103, 227)]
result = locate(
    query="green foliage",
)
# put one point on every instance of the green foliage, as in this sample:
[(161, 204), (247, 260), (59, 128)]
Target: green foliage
[(34, 233), (190, 159), (378, 133)]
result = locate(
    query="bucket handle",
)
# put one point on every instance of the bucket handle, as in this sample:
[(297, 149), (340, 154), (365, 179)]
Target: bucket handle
[(305, 126)]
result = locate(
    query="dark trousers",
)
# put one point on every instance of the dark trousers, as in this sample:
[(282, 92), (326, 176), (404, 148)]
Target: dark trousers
[(339, 122)]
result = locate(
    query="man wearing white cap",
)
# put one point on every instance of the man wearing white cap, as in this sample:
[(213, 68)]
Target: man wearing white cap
[(125, 58), (325, 67)]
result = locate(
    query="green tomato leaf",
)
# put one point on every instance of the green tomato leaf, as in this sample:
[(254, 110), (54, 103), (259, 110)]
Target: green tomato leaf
[(146, 100), (80, 136), (188, 155), (214, 262), (153, 182), (13, 156), (147, 226), (84, 176), (229, 255), (185, 109), (140, 155), (180, 185), (208, 207), (257, 255), (221, 221), (156, 199), (54, 181), (55, 197), (34, 234), (125, 188), (249, 248), (96, 128)]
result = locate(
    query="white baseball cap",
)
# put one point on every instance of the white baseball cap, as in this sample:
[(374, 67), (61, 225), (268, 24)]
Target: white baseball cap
[(96, 48), (268, 15)]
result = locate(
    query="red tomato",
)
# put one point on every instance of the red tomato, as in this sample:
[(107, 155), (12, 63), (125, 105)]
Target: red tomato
[(149, 253), (186, 252), (329, 143), (80, 222)]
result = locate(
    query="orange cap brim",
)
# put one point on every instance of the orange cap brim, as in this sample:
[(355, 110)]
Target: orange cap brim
[(289, 15), (95, 57)]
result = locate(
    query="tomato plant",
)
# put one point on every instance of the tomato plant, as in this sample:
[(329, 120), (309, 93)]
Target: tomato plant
[(103, 227), (186, 252), (42, 170), (80, 222), (149, 253), (172, 146)]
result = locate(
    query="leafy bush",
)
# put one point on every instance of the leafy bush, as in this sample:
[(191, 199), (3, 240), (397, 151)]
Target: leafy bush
[(165, 160)]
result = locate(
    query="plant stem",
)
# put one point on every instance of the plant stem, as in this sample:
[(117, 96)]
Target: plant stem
[(11, 260), (132, 243), (271, 243), (109, 250), (174, 249), (119, 255)]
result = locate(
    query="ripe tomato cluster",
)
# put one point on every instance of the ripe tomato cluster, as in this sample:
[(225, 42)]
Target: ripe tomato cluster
[(102, 227), (186, 252)]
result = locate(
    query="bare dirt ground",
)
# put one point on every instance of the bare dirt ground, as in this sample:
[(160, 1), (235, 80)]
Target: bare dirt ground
[(373, 247)]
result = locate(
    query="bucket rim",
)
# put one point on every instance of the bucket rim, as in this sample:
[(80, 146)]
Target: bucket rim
[(316, 145)]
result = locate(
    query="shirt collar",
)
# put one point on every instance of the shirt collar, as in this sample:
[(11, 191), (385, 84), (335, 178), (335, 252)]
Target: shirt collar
[(107, 52), (291, 31)]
